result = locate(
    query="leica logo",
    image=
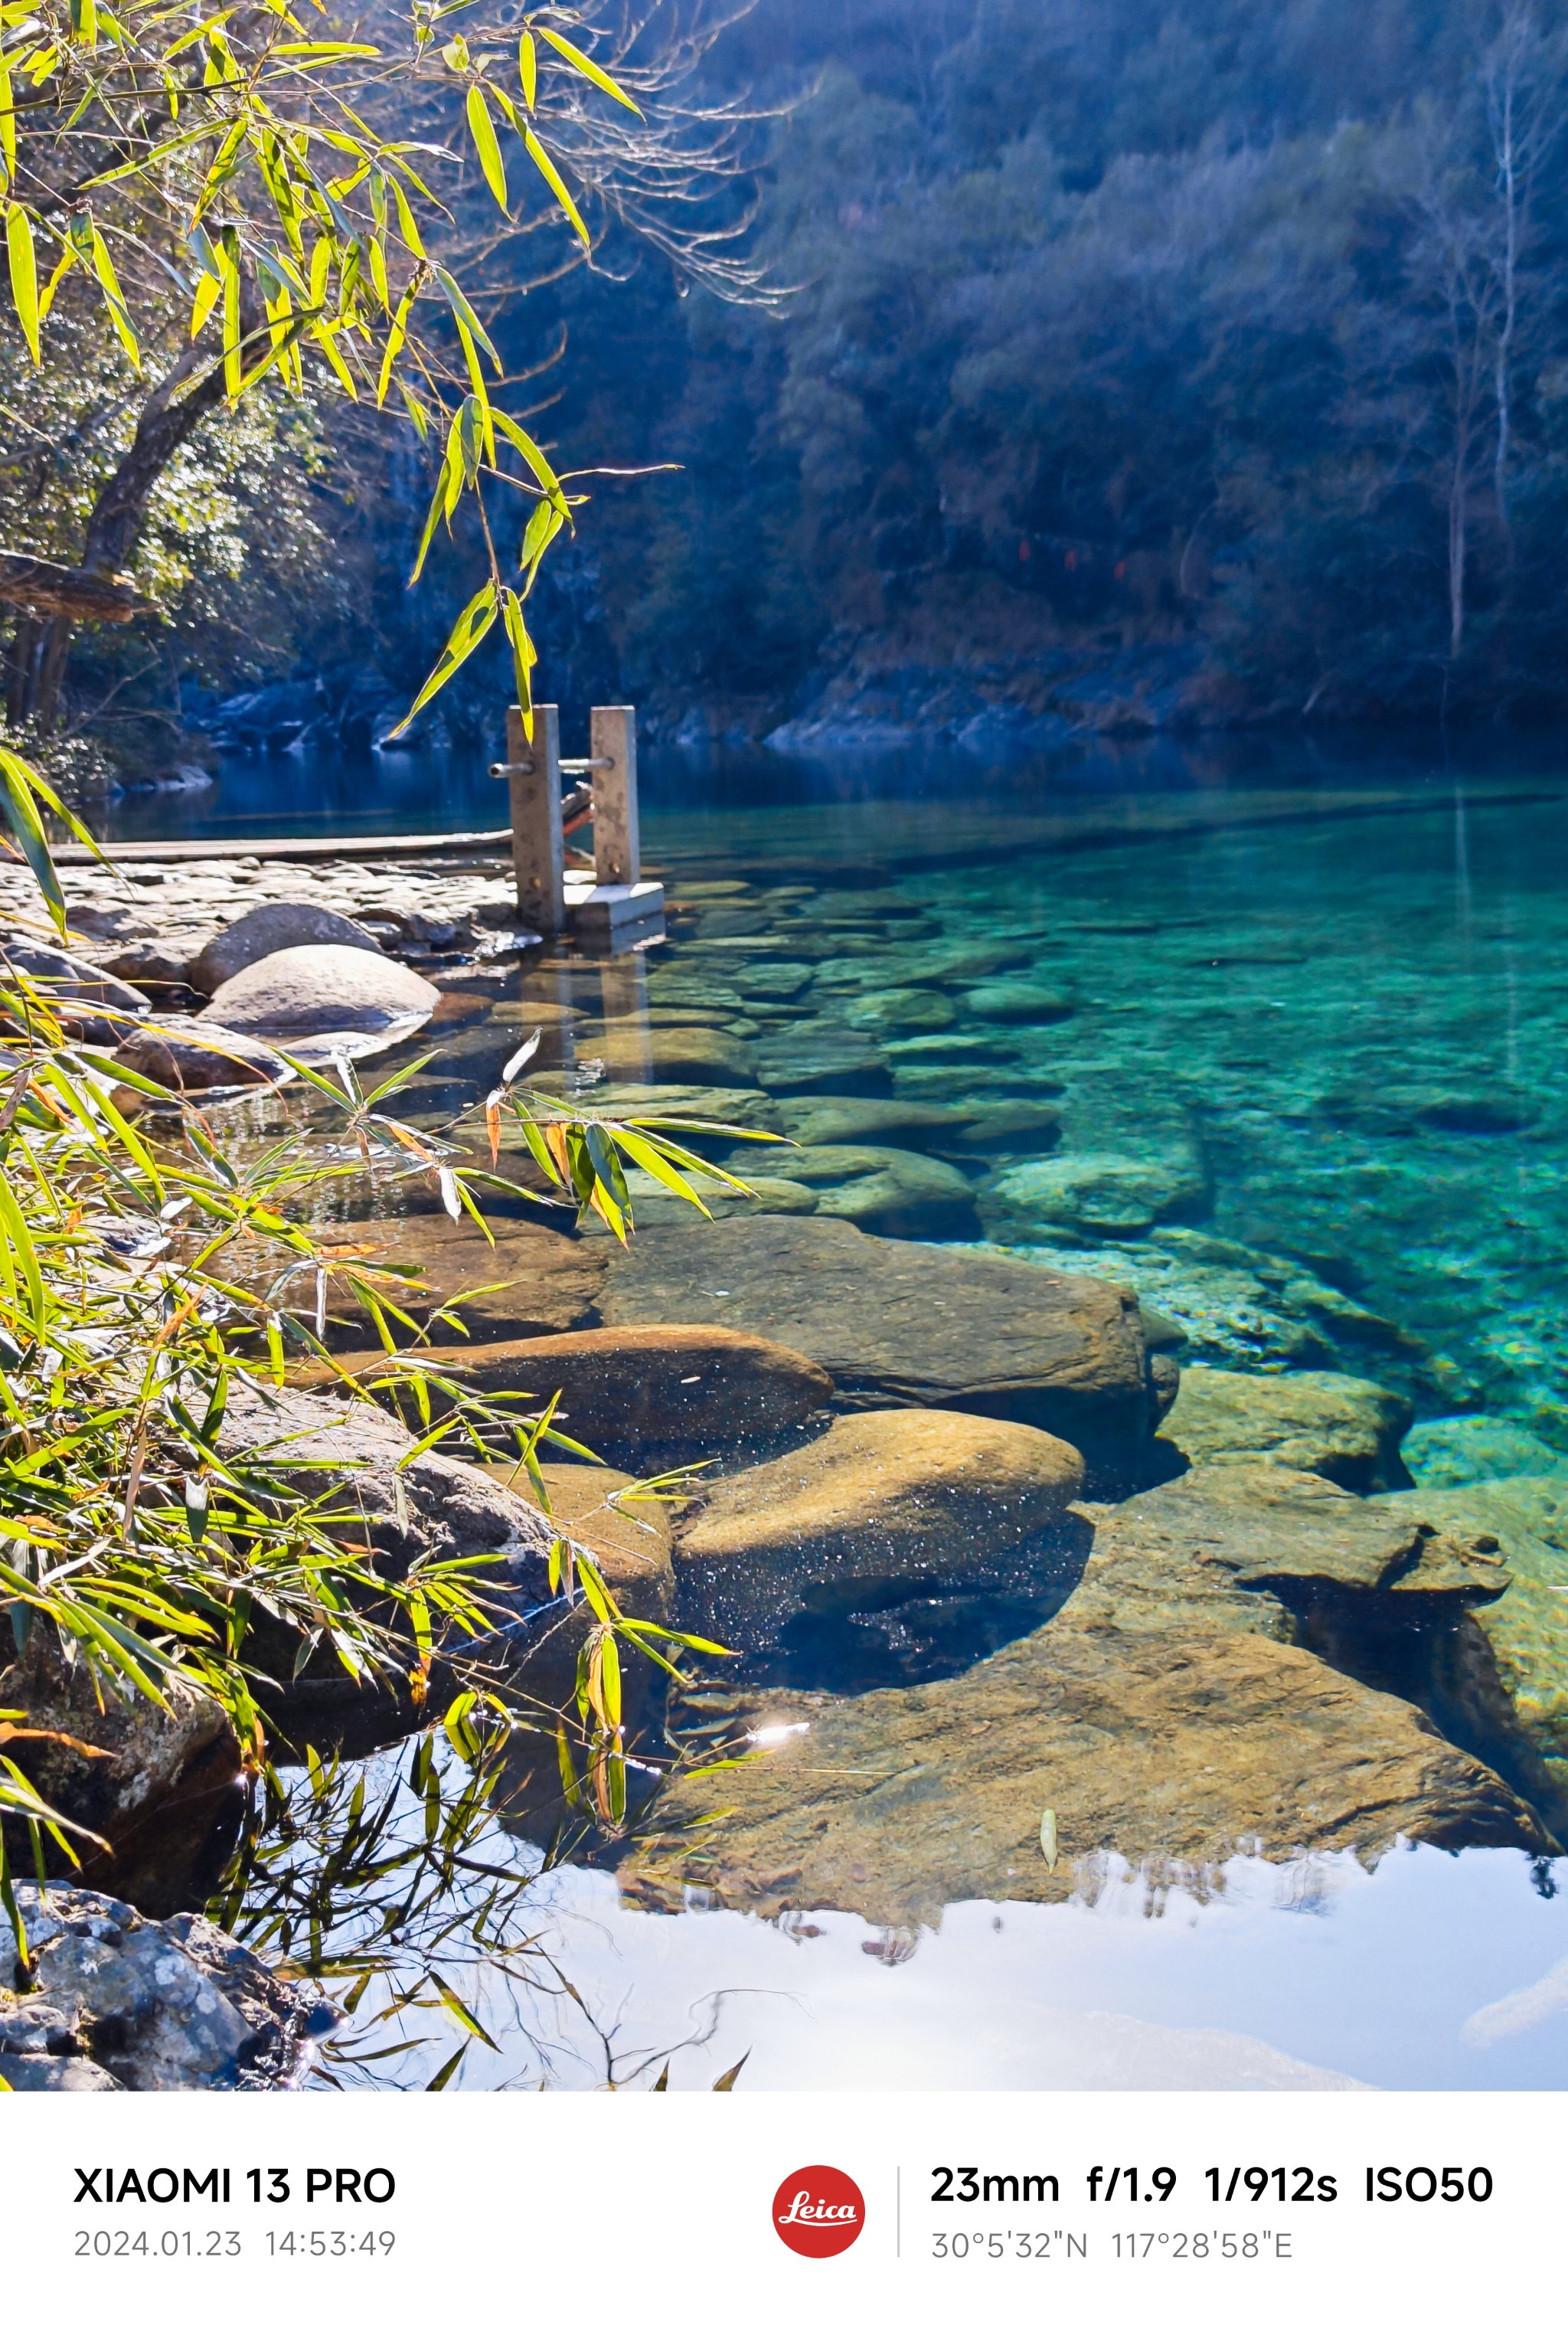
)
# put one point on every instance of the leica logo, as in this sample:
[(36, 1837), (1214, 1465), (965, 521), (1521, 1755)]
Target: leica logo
[(818, 2210)]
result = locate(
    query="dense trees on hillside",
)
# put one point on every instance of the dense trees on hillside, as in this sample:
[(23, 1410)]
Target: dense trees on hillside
[(1220, 346), (1126, 322)]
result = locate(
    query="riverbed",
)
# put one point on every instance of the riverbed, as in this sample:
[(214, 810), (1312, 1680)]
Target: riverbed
[(1293, 1058)]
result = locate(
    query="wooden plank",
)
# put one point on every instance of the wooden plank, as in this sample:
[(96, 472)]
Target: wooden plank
[(288, 848)]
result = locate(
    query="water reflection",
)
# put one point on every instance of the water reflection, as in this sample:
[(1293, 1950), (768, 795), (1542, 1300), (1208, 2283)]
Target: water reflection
[(1432, 1971)]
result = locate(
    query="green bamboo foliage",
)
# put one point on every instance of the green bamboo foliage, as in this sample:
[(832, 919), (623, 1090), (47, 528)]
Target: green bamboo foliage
[(302, 235), (146, 1276)]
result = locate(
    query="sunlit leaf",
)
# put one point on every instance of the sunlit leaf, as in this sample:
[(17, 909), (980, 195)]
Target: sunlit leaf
[(556, 184), (482, 130), (19, 251), (466, 634), (586, 65)]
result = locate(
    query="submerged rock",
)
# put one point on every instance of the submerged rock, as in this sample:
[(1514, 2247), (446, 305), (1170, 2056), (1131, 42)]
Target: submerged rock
[(822, 1060), (1448, 1452), (844, 1118), (764, 1194), (883, 1504), (532, 1281), (1340, 1427), (267, 930), (1021, 1003), (1240, 1307), (629, 1544), (628, 1537), (706, 1056), (1504, 1678), (927, 1327), (1095, 1192), (1257, 1545), (659, 1384), (719, 1105), (999, 1128), (896, 1193), (887, 1011)]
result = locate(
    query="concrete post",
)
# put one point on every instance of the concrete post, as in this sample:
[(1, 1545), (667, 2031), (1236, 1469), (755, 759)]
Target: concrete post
[(539, 852), (613, 737)]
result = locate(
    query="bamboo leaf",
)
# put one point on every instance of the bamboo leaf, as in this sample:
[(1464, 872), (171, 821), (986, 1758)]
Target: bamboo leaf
[(529, 70), (440, 2080), (7, 126), (114, 298), (457, 300), (469, 630), (407, 225), (556, 184), (24, 263), (541, 530), (520, 437), (482, 130), (524, 656), (397, 335), (586, 65)]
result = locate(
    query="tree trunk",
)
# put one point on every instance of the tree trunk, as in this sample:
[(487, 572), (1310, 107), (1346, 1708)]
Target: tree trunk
[(1458, 528), (19, 679), (1502, 381), (120, 511)]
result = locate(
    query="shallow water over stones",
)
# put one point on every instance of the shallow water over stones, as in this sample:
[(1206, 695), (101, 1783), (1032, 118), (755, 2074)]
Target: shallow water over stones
[(1274, 1093)]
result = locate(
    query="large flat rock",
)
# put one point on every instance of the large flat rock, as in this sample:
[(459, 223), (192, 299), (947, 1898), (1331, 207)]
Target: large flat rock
[(695, 1386), (895, 1323), (1175, 1752), (532, 1282), (1174, 1712)]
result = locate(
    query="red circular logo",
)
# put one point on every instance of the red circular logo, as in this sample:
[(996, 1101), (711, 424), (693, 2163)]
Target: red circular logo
[(818, 2211)]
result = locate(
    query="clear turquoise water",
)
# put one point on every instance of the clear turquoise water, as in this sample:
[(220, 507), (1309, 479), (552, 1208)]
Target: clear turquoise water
[(1318, 1013)]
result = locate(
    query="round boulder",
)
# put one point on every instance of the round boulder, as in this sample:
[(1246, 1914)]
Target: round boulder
[(885, 1503), (310, 991), (265, 931)]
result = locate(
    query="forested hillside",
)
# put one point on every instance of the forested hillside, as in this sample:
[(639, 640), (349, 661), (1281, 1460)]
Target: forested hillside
[(1148, 358), (1122, 362)]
